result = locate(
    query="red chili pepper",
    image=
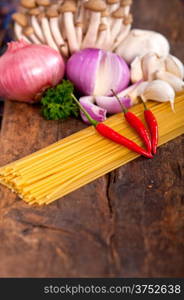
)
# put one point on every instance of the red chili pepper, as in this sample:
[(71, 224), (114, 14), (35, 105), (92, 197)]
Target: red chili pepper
[(137, 124), (153, 127), (112, 135)]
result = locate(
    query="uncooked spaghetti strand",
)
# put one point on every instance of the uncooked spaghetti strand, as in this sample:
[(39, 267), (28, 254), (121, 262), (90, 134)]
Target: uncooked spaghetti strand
[(68, 179)]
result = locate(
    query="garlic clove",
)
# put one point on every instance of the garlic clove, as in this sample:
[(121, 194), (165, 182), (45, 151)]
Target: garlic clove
[(151, 63), (159, 90), (138, 91), (174, 66), (136, 70), (176, 82)]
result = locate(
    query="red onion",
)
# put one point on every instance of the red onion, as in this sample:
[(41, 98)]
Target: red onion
[(128, 98), (26, 70), (95, 72), (96, 112)]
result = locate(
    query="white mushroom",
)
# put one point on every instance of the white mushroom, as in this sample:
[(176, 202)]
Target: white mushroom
[(53, 16), (126, 4), (125, 29), (102, 36), (117, 23), (139, 42), (105, 19), (96, 7), (21, 21), (68, 9), (29, 33), (34, 13), (112, 5), (47, 32)]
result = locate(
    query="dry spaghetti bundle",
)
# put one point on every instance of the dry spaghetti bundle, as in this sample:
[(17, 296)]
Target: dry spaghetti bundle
[(65, 166)]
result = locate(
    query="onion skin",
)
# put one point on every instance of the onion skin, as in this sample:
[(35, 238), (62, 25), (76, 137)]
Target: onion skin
[(26, 70), (111, 104), (94, 72), (97, 113)]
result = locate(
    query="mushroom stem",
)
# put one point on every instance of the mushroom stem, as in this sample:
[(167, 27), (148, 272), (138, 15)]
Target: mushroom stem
[(54, 26), (68, 9), (92, 32), (18, 33), (47, 32), (102, 36), (126, 27), (37, 28), (117, 23), (70, 32), (123, 34), (29, 32), (79, 33)]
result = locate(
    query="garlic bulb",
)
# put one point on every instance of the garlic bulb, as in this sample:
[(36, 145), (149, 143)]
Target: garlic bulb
[(139, 42), (174, 66), (174, 81), (159, 90)]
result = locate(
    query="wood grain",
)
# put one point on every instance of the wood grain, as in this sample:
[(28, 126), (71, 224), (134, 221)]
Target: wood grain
[(128, 223)]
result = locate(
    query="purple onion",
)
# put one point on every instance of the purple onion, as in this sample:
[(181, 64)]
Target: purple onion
[(96, 112), (95, 72)]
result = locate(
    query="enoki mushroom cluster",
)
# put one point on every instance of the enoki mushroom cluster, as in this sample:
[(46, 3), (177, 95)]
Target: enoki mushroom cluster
[(71, 25)]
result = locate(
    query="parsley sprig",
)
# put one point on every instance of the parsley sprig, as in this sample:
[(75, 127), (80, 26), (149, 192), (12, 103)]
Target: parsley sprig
[(57, 103)]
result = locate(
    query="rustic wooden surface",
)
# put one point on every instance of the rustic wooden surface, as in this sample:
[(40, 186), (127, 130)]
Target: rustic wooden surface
[(126, 224)]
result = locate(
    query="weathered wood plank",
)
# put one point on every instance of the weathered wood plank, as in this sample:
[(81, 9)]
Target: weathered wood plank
[(128, 223)]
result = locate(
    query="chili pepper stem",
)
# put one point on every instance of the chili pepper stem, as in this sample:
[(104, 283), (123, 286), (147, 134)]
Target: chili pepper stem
[(144, 104), (92, 121), (124, 109)]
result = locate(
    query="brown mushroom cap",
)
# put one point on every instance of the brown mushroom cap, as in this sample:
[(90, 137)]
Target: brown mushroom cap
[(34, 12), (43, 2), (112, 1), (95, 5), (105, 13), (28, 3), (52, 12), (128, 19), (126, 2), (28, 31), (118, 14), (41, 16), (102, 27), (68, 6), (20, 18)]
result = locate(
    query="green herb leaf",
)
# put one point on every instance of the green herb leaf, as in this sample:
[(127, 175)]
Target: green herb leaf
[(57, 103)]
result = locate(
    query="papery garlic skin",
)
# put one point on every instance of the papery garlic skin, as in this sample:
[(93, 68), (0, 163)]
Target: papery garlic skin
[(159, 90), (175, 66), (139, 42), (174, 81)]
